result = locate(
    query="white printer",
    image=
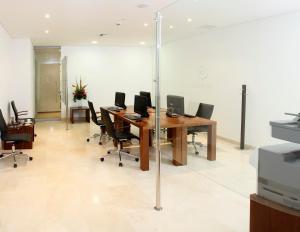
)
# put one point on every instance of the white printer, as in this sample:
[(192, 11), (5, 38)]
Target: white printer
[(279, 165)]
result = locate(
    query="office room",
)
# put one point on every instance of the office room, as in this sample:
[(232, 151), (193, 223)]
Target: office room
[(149, 115)]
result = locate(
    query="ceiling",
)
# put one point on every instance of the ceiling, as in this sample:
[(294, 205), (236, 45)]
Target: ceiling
[(79, 22)]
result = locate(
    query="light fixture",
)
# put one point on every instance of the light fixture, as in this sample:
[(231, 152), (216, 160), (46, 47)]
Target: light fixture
[(94, 42), (142, 5), (47, 16), (146, 24), (171, 27), (189, 20), (142, 43), (46, 31)]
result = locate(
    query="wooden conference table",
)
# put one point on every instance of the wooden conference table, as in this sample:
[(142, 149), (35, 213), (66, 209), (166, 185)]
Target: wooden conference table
[(177, 133)]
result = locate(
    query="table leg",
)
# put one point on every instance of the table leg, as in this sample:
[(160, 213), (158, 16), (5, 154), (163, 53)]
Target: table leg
[(211, 142), (144, 149), (87, 115), (71, 116), (179, 145)]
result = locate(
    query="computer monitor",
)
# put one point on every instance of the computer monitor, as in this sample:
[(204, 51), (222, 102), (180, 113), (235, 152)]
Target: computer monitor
[(147, 95), (120, 99), (176, 104), (140, 106)]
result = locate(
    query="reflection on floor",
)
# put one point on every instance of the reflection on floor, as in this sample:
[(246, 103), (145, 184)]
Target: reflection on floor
[(48, 115), (66, 188)]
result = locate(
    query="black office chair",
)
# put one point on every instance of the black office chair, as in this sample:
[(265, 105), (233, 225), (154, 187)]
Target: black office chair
[(20, 113), (97, 120), (119, 137), (204, 111), (13, 139)]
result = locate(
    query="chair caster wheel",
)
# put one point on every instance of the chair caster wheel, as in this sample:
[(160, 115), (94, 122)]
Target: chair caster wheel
[(1, 156), (101, 159), (197, 152), (87, 140), (120, 165), (108, 152), (137, 159), (15, 165), (21, 152), (30, 158), (100, 143)]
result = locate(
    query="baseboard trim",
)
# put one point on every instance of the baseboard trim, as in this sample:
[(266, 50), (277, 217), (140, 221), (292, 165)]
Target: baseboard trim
[(247, 146)]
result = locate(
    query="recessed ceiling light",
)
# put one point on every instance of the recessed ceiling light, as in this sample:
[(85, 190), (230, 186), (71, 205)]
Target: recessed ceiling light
[(142, 43), (46, 31), (146, 24), (142, 5), (47, 16), (189, 20), (94, 42), (171, 27)]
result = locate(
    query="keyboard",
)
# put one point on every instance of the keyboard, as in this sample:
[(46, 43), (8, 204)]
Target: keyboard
[(189, 116), (115, 108), (172, 115), (133, 116)]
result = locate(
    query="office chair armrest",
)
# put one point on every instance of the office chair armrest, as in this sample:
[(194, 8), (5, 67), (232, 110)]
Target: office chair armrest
[(22, 114)]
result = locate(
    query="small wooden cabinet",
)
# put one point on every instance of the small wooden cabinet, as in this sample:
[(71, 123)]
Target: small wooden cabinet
[(20, 129), (73, 110), (268, 216)]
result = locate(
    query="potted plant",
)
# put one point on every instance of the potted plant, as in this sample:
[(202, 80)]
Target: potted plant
[(79, 92)]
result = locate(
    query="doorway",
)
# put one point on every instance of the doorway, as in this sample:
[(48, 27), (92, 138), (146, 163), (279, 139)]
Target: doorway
[(47, 66)]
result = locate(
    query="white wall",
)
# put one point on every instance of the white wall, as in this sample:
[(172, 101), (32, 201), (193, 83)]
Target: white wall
[(24, 75), (109, 69), (264, 55), (5, 70), (16, 73)]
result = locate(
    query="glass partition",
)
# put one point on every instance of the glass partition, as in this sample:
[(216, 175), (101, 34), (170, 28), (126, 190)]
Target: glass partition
[(195, 56)]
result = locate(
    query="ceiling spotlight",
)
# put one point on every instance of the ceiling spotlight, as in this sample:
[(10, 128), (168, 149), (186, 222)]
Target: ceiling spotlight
[(47, 16), (142, 43), (94, 42), (142, 5), (46, 31), (146, 24), (171, 27), (189, 20)]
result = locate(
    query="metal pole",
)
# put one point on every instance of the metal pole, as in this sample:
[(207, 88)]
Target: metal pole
[(243, 117), (157, 111)]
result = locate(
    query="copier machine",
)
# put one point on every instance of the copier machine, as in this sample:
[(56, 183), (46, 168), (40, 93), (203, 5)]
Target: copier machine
[(279, 165)]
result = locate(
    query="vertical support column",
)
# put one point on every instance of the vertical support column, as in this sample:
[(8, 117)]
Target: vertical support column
[(157, 111), (243, 117)]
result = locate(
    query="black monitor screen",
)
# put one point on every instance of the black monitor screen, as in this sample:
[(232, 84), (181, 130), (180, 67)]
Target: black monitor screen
[(140, 105), (147, 95), (176, 104), (120, 99)]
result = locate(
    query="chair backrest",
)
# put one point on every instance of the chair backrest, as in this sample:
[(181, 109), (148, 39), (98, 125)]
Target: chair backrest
[(205, 110), (93, 112), (3, 126), (13, 105), (110, 128)]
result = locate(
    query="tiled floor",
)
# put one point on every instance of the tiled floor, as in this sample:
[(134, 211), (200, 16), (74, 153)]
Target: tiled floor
[(66, 188)]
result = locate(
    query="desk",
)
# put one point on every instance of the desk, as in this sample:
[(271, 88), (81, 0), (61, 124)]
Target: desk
[(177, 127), (78, 109), (20, 129), (266, 215)]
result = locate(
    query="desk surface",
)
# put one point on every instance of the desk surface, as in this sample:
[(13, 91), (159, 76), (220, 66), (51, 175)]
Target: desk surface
[(165, 121)]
